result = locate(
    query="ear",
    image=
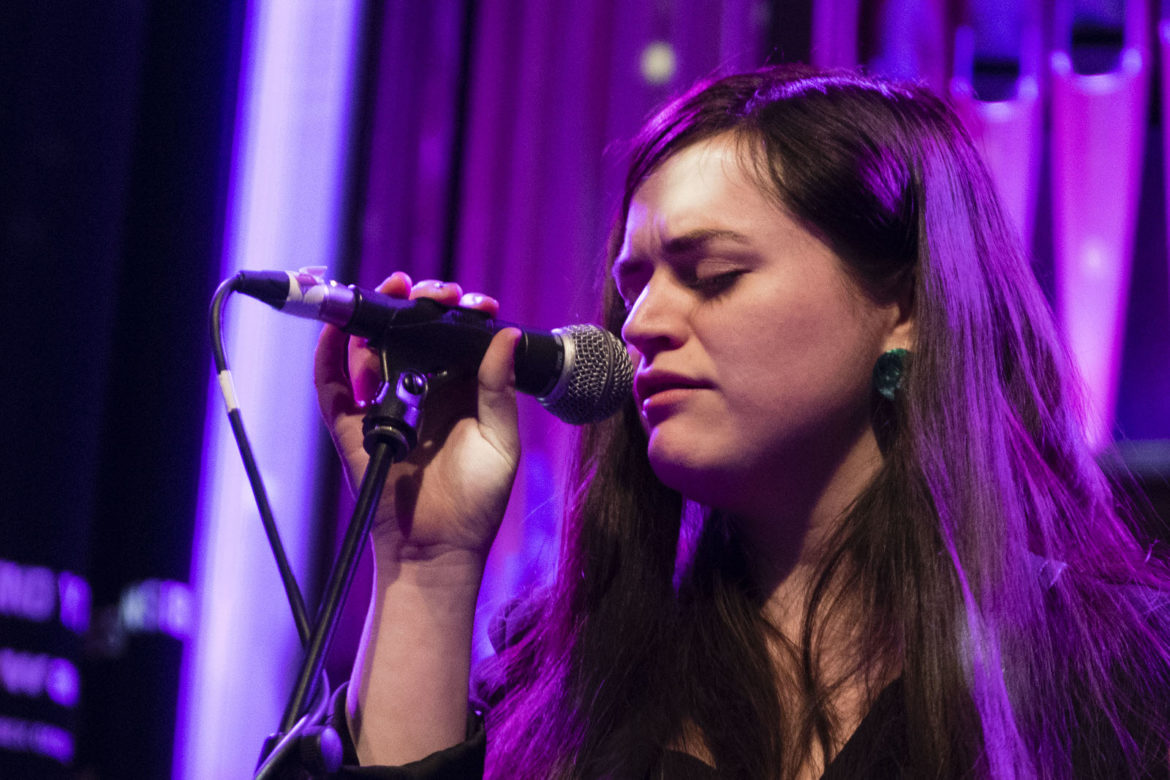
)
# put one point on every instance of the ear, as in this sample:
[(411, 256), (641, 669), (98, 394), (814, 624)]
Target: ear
[(900, 333)]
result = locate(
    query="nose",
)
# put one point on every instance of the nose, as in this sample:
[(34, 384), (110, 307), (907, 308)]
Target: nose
[(657, 320)]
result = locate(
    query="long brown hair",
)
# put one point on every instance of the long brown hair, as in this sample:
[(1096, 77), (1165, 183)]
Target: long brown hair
[(996, 574)]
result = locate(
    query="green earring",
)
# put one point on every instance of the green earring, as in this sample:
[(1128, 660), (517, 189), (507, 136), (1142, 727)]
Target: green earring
[(888, 372)]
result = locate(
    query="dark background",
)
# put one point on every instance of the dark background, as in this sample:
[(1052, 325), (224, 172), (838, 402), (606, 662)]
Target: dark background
[(116, 130)]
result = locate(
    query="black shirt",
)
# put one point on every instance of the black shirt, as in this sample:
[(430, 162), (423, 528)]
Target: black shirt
[(878, 749)]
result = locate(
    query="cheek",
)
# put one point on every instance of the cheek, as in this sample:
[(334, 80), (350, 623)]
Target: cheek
[(808, 361)]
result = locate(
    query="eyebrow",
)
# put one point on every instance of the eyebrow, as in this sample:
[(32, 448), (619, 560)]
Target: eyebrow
[(694, 241), (684, 245), (690, 242)]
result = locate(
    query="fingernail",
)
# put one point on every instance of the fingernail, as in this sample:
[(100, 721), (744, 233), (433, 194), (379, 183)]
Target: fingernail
[(475, 299), (440, 285)]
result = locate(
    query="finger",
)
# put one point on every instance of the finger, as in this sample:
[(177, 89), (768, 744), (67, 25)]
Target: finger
[(444, 292), (365, 370), (334, 393), (497, 393), (397, 284), (364, 363), (480, 302)]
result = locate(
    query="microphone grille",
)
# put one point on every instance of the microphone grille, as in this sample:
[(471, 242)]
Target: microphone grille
[(597, 377)]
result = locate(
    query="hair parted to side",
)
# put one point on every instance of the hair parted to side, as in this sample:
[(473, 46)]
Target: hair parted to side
[(986, 486)]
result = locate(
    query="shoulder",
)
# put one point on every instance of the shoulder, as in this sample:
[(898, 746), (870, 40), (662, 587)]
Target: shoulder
[(514, 621), (508, 629)]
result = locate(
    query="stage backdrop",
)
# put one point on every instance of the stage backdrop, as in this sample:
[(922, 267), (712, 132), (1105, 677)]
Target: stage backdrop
[(148, 150)]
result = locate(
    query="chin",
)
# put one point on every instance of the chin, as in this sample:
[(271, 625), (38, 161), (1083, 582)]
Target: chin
[(695, 480)]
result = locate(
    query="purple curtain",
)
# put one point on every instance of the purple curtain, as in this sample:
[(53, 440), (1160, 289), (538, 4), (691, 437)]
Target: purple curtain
[(494, 158)]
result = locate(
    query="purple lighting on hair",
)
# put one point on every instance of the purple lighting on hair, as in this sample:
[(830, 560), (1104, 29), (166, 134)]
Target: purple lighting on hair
[(1098, 141), (283, 203)]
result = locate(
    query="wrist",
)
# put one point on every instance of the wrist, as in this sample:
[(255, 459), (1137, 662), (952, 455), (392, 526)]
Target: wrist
[(408, 692), (438, 568)]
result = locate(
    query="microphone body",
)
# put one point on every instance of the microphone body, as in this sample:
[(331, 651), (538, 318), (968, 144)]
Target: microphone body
[(580, 373)]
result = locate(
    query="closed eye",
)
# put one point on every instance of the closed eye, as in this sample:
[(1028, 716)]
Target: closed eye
[(629, 277), (712, 286), (628, 295)]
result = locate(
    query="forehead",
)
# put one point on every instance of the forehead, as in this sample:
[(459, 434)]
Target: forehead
[(707, 188)]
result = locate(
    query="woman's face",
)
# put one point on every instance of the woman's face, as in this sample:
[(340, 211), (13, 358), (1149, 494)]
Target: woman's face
[(754, 347)]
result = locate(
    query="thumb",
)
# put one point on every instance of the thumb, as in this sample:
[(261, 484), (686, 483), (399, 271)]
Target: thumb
[(497, 393), (334, 394)]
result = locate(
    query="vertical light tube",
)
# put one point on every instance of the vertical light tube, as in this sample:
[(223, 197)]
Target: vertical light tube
[(1005, 123), (1006, 132), (287, 176), (1164, 52), (914, 41), (1098, 140), (834, 33)]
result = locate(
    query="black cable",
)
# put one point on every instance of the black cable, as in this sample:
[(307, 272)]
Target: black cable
[(223, 374), (382, 457), (289, 743)]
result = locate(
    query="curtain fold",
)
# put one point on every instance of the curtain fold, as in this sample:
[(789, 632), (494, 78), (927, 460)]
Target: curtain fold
[(533, 102), (552, 90)]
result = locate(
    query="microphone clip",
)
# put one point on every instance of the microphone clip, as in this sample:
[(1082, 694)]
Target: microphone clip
[(395, 416)]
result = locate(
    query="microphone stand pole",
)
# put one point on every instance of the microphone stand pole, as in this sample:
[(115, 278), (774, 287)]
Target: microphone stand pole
[(391, 432)]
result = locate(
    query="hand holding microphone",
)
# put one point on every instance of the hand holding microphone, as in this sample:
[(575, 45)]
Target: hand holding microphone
[(449, 496), (438, 517), (432, 517), (454, 487), (580, 373)]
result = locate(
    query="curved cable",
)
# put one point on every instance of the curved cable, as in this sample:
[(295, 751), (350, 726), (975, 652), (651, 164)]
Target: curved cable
[(227, 389)]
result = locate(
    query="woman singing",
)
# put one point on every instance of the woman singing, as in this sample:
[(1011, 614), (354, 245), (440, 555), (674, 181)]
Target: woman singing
[(848, 525)]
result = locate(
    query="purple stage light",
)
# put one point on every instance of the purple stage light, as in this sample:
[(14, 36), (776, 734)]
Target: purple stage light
[(283, 204), (834, 33), (1004, 112), (1007, 132), (1098, 139), (1164, 52)]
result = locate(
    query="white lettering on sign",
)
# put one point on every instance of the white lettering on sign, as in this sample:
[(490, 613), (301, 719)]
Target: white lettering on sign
[(38, 594), (29, 736), (176, 609), (27, 591), (23, 674), (34, 674), (73, 596), (62, 682), (157, 606)]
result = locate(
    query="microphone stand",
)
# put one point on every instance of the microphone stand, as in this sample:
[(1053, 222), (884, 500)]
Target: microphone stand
[(390, 431)]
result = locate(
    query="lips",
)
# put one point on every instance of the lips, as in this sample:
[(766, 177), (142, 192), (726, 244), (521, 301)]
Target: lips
[(651, 383)]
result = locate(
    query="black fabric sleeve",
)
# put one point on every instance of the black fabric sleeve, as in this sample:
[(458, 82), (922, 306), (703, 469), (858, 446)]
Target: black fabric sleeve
[(459, 762)]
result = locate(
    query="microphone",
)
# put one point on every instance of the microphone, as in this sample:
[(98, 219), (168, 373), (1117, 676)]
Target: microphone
[(580, 373)]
